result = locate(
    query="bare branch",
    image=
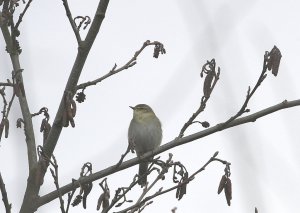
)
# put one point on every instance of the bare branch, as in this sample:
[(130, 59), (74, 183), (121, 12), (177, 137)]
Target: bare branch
[(28, 127), (176, 142), (54, 173), (22, 14), (267, 65), (115, 70), (140, 202), (10, 104), (4, 195), (72, 22), (208, 87), (6, 84)]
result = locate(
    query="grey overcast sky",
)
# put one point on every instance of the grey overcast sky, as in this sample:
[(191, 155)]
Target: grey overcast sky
[(264, 155)]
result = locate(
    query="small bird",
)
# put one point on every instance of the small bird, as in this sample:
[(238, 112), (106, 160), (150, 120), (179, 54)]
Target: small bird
[(145, 135)]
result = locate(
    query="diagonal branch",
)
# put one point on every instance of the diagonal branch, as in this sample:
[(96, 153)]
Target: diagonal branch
[(115, 70), (69, 15), (22, 14), (212, 78), (28, 127), (262, 77), (4, 195), (177, 142)]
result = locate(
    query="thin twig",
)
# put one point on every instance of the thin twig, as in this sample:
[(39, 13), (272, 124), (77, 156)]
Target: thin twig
[(72, 22), (202, 106), (22, 14), (2, 93), (250, 93), (123, 156), (115, 70), (10, 104), (4, 195), (6, 84), (70, 196), (161, 192), (55, 177), (54, 174)]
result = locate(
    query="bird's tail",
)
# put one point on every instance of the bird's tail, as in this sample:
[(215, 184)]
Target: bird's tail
[(143, 168)]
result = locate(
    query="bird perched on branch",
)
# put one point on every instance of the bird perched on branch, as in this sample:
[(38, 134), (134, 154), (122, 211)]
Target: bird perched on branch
[(144, 135)]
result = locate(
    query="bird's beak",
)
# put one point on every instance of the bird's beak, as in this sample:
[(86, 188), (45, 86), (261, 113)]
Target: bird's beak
[(131, 107)]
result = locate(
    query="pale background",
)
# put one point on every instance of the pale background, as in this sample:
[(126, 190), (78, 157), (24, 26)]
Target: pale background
[(264, 155)]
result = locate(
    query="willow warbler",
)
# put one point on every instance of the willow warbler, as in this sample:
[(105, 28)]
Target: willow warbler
[(145, 135)]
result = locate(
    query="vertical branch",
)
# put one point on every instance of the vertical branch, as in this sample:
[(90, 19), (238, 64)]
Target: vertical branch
[(28, 127)]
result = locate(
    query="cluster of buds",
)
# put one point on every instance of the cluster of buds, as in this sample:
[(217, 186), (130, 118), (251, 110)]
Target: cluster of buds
[(158, 49), (272, 60), (69, 110), (80, 96)]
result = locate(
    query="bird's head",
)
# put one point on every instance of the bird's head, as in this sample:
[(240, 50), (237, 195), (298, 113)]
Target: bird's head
[(142, 112)]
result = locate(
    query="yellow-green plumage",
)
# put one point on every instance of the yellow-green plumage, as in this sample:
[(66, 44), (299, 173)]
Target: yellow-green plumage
[(145, 134)]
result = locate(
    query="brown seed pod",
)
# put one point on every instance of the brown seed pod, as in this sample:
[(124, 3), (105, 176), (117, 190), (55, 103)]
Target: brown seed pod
[(222, 184), (1, 128), (77, 200), (46, 131), (72, 122), (207, 84), (228, 191), (74, 108), (86, 190), (44, 121), (6, 125), (103, 200)]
